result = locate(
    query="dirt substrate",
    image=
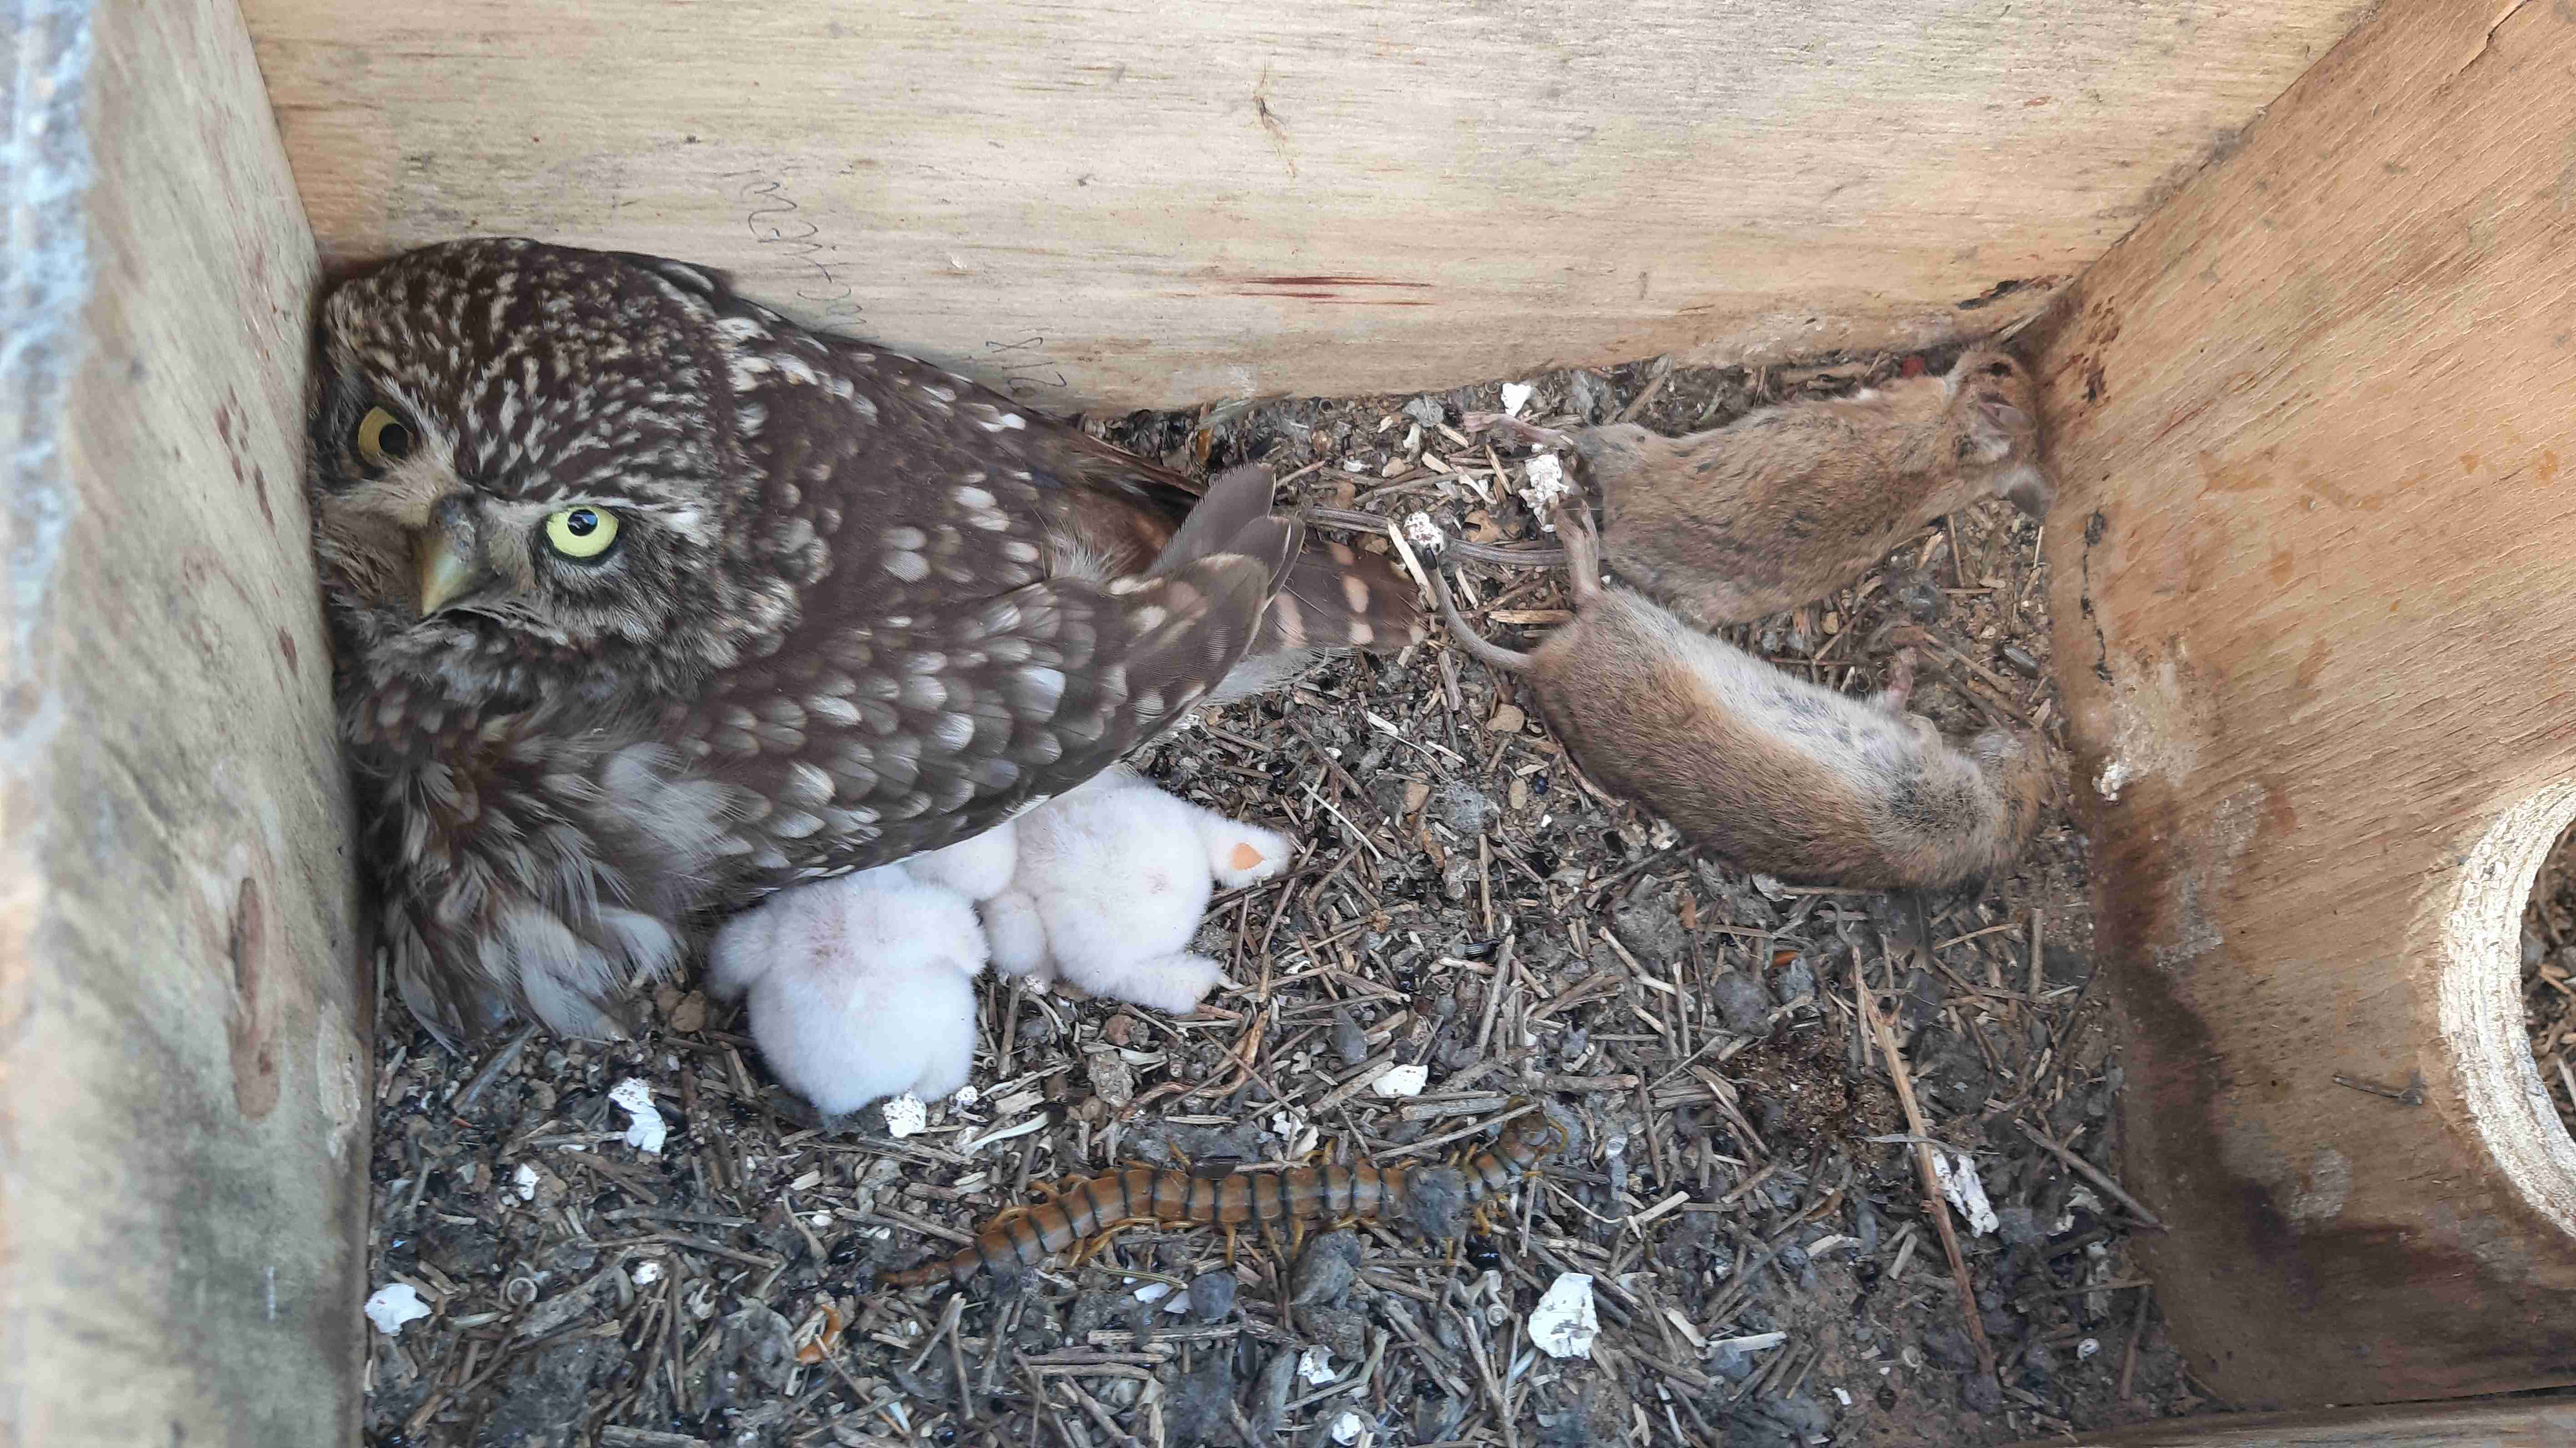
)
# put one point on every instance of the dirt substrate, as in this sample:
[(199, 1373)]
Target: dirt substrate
[(1746, 1199)]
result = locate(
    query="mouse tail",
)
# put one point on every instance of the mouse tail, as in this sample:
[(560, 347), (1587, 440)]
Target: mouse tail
[(1492, 655)]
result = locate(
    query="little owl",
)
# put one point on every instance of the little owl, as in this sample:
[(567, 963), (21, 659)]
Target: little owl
[(649, 602)]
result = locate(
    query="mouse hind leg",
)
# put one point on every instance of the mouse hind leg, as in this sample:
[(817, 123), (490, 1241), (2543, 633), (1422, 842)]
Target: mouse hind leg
[(1582, 550)]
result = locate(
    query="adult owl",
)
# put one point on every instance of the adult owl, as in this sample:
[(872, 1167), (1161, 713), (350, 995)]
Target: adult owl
[(649, 601)]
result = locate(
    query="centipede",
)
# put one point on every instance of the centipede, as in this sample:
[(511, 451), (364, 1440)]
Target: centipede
[(1264, 1199)]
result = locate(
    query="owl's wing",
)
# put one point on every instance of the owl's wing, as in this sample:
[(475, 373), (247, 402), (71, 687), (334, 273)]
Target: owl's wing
[(900, 728)]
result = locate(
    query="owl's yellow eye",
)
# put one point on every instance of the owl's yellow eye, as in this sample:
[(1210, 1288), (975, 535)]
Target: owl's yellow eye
[(382, 438), (582, 533)]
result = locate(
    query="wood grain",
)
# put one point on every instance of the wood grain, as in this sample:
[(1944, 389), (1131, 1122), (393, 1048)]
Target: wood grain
[(184, 1081), (2311, 567), (1139, 204)]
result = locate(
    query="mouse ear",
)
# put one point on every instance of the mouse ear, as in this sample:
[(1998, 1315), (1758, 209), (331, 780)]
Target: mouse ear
[(1993, 426)]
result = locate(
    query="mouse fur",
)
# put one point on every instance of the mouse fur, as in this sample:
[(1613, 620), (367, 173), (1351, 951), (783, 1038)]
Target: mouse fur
[(1781, 775), (1788, 503)]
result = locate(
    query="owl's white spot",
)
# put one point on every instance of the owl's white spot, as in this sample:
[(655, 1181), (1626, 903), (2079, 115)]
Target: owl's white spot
[(910, 567), (990, 522), (1150, 703), (795, 824), (1020, 550), (769, 859), (1355, 592), (1362, 635), (975, 499), (953, 731), (834, 711), (741, 329), (924, 692), (1040, 690), (907, 539), (1121, 587), (1014, 420), (944, 394), (1150, 618), (807, 784)]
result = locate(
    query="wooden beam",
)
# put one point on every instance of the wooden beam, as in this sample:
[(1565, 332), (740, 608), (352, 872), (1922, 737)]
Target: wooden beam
[(1129, 204), (2312, 566), (184, 1079), (2490, 1423)]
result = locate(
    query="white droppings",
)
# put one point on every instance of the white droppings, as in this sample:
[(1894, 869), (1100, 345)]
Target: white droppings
[(1402, 1081), (1316, 1366), (393, 1305), (906, 1116), (1516, 395), (1547, 487), (524, 1180), (647, 1273), (1958, 1176), (645, 1129), (1564, 1323), (1349, 1428)]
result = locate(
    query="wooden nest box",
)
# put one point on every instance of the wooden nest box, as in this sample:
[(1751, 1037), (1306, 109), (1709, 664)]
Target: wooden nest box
[(2305, 281)]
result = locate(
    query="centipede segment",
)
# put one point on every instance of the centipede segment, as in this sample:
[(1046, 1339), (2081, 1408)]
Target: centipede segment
[(1025, 1237)]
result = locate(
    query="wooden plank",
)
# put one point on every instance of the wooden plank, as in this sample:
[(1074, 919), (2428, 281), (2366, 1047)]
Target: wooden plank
[(2508, 1423), (184, 1080), (2311, 564), (1147, 204)]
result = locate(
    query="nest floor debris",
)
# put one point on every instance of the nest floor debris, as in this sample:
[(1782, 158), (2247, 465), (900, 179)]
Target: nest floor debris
[(1747, 1200)]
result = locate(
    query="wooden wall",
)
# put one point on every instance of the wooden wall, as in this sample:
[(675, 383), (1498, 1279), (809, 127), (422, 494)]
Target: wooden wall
[(2313, 564), (184, 1080), (1159, 204)]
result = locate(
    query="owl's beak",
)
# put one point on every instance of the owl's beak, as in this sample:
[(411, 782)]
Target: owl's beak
[(444, 573)]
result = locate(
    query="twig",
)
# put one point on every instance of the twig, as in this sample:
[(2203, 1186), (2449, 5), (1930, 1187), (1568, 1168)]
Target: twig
[(2095, 1175), (1932, 1203)]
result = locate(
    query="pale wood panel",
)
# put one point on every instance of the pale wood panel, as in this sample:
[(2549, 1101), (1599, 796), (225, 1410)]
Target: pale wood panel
[(2312, 567), (1160, 204), (2509, 1423), (184, 1079)]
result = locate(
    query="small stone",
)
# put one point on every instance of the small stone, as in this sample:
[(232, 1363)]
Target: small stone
[(1426, 411), (690, 1016), (1465, 810), (1798, 982), (1212, 1296), (2021, 662), (1588, 395), (1916, 593), (1325, 1270), (1349, 1041), (1120, 1029), (1507, 720), (2019, 1227), (1111, 1081), (1741, 1002)]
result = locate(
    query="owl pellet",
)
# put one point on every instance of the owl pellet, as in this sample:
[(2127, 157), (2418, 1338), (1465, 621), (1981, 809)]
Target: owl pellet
[(645, 1129)]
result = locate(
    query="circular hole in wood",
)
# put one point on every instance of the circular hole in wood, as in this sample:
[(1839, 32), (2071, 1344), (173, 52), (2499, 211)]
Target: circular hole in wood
[(2481, 1000)]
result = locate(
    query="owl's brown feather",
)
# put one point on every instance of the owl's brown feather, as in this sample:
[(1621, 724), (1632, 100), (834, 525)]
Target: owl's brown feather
[(854, 607)]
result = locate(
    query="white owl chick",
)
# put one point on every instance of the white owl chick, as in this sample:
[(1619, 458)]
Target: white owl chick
[(1112, 881), (862, 987)]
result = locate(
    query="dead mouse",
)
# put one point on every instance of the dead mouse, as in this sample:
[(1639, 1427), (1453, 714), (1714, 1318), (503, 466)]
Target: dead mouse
[(1784, 505), (1780, 775)]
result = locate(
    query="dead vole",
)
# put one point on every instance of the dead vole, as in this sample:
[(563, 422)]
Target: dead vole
[(1784, 505), (1778, 774)]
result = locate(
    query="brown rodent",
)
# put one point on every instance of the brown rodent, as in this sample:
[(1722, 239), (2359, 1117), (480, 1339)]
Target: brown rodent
[(1778, 774), (1787, 504)]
